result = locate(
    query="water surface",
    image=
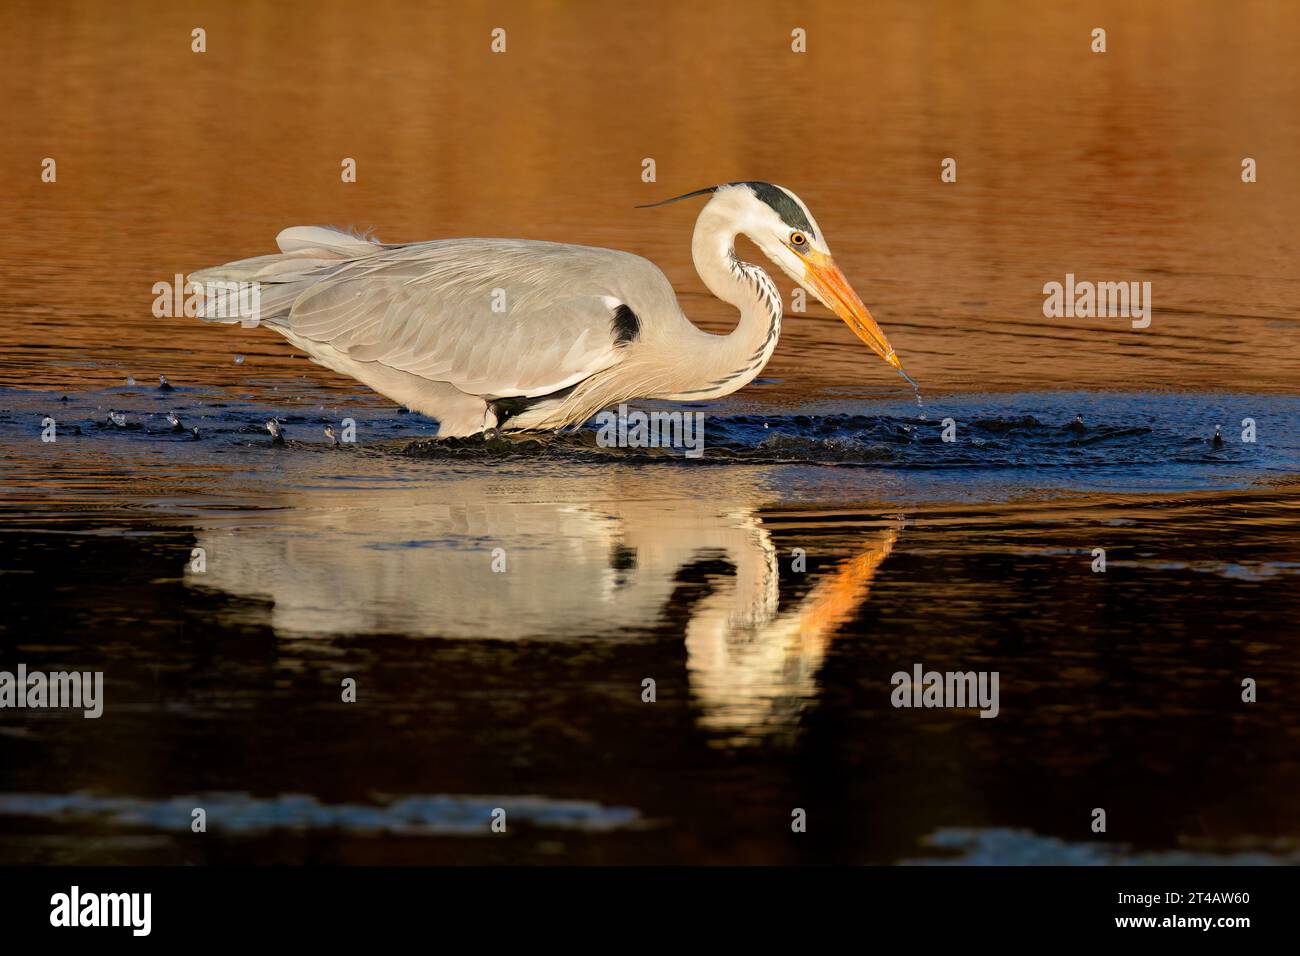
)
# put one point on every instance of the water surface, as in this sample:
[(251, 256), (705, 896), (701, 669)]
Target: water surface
[(523, 689)]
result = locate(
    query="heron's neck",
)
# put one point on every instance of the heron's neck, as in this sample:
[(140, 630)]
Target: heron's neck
[(725, 363)]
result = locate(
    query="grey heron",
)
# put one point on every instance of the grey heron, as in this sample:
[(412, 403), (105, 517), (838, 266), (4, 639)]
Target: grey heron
[(529, 335)]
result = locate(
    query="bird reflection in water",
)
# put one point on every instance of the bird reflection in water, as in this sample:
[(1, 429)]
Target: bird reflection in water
[(610, 561), (753, 674)]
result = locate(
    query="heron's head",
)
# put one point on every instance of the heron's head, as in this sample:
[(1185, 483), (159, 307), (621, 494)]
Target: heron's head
[(778, 222)]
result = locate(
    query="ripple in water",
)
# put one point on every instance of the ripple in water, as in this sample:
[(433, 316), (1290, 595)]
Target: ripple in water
[(1055, 438)]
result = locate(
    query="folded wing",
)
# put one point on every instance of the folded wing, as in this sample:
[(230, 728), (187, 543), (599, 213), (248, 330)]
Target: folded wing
[(492, 317)]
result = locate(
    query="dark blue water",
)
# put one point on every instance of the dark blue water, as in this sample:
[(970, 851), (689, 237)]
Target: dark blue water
[(1000, 444)]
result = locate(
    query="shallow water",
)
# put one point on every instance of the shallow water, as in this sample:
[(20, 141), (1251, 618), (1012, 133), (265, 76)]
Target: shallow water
[(523, 689), (827, 538)]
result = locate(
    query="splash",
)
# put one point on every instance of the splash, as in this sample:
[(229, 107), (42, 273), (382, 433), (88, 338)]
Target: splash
[(916, 389)]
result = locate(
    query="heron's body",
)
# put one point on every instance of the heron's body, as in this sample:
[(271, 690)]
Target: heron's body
[(516, 334)]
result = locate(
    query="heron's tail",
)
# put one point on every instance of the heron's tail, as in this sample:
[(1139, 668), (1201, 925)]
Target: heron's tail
[(307, 255)]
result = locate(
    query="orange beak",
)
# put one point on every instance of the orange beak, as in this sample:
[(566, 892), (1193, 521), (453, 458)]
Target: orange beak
[(829, 284)]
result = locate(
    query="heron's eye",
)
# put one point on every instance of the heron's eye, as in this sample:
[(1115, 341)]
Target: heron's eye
[(799, 239)]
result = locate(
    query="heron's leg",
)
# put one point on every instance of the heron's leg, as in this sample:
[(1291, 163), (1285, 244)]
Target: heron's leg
[(490, 431), (467, 415)]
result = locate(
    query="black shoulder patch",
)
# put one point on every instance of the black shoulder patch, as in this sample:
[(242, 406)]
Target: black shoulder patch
[(789, 210), (626, 326)]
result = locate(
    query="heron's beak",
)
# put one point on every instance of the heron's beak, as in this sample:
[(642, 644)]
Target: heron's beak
[(828, 283)]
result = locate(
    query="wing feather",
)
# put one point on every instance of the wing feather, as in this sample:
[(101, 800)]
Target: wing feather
[(427, 309)]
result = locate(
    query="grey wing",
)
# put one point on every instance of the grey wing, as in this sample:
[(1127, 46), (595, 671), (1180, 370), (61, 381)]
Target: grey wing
[(492, 317)]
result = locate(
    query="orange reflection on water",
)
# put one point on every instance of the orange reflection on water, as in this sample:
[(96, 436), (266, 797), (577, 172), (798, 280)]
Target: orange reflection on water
[(1122, 166)]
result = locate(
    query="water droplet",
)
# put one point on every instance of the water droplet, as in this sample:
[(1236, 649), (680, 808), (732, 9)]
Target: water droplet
[(916, 389), (239, 360), (130, 380)]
